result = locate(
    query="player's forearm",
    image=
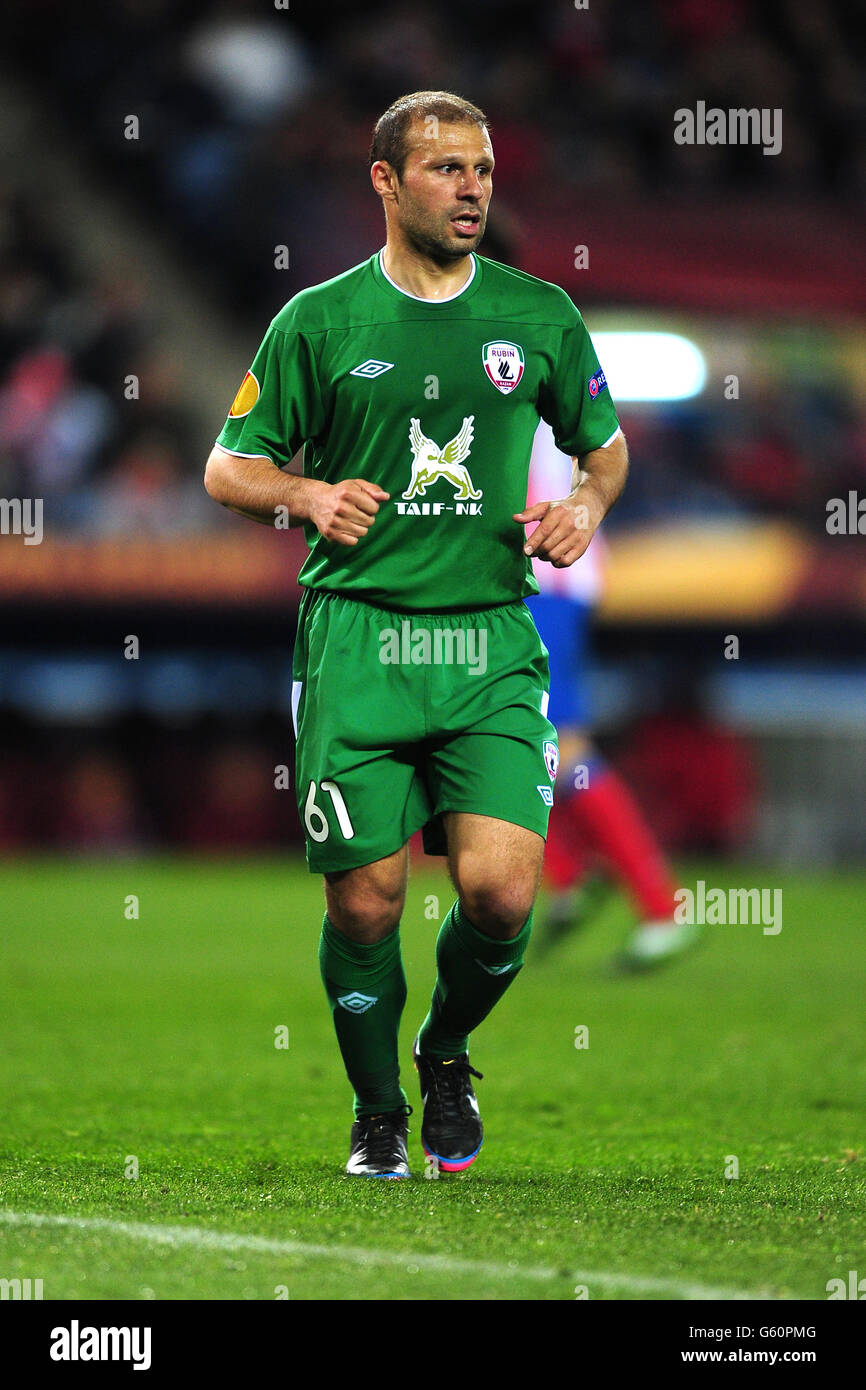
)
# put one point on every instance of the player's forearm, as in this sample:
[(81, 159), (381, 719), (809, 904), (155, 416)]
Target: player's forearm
[(257, 489), (599, 476)]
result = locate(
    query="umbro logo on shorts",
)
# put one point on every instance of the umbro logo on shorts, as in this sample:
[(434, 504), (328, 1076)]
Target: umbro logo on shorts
[(371, 367), (546, 794), (357, 1003)]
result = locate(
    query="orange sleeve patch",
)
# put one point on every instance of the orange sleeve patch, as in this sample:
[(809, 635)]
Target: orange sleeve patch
[(246, 397)]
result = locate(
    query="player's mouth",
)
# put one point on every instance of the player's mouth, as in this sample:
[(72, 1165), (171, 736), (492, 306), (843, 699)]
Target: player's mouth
[(467, 222)]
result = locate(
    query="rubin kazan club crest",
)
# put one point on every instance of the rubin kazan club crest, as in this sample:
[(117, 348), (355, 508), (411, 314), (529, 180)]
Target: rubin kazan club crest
[(430, 463), (503, 363)]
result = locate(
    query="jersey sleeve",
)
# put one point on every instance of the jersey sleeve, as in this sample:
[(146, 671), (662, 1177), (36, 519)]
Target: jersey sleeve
[(575, 399), (278, 406)]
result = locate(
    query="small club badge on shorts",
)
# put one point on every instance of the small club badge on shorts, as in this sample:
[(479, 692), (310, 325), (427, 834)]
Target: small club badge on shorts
[(503, 363), (551, 758)]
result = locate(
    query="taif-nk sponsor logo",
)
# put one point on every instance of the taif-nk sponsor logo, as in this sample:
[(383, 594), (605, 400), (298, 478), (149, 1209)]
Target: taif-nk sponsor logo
[(432, 464)]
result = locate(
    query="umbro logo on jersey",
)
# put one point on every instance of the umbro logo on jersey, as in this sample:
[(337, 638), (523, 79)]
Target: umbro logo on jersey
[(503, 363), (372, 367), (357, 1003)]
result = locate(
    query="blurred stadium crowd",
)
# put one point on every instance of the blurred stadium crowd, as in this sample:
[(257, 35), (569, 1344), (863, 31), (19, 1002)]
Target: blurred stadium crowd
[(255, 124), (143, 786), (253, 131), (104, 464)]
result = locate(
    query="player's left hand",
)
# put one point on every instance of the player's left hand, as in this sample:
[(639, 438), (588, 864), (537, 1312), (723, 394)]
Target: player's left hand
[(565, 528)]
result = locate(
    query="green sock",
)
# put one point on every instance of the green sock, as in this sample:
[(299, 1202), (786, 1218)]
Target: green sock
[(474, 971), (366, 988)]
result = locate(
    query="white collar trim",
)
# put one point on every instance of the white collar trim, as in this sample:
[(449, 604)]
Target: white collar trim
[(422, 298)]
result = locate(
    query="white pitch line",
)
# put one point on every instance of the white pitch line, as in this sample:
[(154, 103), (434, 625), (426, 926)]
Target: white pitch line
[(205, 1239)]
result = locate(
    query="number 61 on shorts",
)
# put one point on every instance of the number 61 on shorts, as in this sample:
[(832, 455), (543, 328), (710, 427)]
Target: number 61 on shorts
[(315, 819)]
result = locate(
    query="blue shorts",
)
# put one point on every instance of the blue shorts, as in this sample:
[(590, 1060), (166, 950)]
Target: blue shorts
[(563, 624)]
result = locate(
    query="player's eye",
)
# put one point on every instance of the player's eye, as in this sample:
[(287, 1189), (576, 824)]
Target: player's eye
[(482, 169)]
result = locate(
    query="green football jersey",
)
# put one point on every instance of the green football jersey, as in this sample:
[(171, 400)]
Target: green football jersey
[(437, 402)]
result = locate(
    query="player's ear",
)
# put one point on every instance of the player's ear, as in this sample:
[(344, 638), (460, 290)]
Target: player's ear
[(384, 178)]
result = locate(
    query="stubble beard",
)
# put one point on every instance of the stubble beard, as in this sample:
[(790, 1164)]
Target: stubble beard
[(423, 237)]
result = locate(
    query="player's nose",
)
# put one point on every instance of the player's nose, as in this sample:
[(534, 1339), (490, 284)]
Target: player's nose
[(471, 187)]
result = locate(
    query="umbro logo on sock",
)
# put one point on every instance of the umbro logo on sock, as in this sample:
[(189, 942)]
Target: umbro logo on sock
[(496, 969), (357, 1003)]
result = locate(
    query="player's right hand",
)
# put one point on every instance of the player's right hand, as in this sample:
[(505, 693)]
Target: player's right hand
[(344, 512)]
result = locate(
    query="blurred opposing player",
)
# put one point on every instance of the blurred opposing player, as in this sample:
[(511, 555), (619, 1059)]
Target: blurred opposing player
[(595, 821), (416, 381)]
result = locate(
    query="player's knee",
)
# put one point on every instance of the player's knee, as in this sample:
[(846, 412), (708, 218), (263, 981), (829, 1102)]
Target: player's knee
[(363, 913), (498, 909)]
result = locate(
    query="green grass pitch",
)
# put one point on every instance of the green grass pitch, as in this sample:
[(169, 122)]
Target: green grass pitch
[(605, 1166)]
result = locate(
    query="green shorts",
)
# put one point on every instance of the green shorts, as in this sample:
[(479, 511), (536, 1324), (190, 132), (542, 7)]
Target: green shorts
[(400, 717)]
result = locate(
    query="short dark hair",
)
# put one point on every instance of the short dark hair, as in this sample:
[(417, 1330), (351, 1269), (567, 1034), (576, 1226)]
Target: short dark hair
[(390, 133)]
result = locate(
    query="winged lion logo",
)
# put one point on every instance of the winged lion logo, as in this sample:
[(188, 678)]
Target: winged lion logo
[(430, 463)]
